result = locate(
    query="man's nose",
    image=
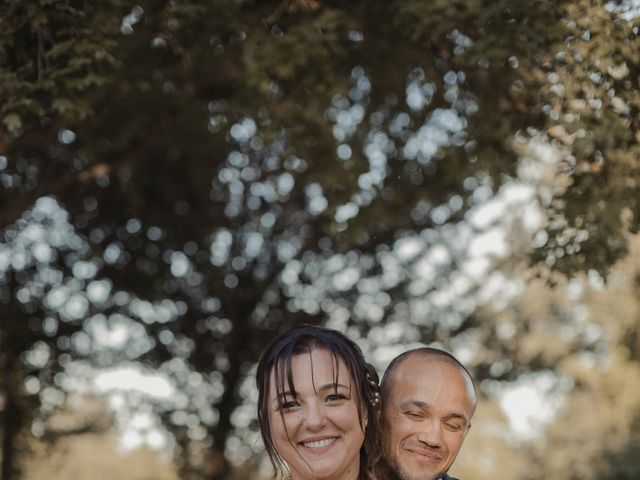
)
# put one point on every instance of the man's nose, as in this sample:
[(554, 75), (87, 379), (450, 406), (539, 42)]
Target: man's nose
[(315, 418), (430, 433)]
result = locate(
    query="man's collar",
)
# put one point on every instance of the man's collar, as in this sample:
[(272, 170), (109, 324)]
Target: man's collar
[(390, 475)]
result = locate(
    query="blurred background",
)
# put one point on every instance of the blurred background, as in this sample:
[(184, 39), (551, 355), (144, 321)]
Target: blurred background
[(182, 180)]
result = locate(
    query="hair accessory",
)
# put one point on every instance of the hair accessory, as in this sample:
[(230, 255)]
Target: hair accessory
[(374, 387)]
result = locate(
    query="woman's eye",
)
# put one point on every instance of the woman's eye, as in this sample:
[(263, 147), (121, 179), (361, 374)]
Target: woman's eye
[(288, 405), (335, 397), (413, 414)]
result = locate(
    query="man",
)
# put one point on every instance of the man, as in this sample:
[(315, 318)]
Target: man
[(428, 398)]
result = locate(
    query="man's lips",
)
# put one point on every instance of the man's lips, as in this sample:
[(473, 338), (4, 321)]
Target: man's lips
[(426, 454)]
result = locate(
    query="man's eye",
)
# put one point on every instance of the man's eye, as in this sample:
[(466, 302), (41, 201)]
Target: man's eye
[(454, 427), (413, 414)]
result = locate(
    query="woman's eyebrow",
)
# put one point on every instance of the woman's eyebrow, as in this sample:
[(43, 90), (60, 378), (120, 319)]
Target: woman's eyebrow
[(284, 395), (332, 386), (323, 388)]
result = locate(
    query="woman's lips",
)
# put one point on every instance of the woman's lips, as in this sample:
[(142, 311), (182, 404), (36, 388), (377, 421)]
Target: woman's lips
[(318, 445)]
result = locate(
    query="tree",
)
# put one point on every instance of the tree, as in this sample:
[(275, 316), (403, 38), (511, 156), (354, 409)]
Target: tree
[(591, 96), (216, 159), (88, 447), (603, 443), (45, 290)]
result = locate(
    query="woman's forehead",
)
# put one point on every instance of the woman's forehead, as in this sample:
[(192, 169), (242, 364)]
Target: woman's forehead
[(316, 364)]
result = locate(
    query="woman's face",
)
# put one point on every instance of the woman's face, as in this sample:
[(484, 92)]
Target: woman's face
[(317, 434)]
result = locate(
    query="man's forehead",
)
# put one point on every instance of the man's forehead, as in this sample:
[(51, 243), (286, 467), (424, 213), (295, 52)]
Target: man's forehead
[(419, 378), (420, 365)]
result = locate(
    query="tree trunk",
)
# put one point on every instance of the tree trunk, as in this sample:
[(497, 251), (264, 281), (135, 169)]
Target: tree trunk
[(220, 465), (10, 427)]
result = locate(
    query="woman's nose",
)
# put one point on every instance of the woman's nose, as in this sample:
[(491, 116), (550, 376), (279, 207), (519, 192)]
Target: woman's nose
[(314, 417)]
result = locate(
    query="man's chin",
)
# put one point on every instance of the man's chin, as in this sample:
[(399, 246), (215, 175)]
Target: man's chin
[(402, 473)]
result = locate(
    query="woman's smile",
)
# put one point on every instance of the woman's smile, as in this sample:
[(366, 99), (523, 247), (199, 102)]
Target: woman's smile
[(319, 444), (317, 431)]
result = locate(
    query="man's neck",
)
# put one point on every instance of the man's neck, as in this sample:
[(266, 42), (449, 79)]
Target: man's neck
[(387, 473)]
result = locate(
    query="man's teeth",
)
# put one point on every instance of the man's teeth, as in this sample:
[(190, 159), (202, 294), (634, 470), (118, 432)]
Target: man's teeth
[(319, 443)]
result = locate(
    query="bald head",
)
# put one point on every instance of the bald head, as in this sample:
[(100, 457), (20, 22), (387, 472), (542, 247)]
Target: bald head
[(428, 399), (426, 354)]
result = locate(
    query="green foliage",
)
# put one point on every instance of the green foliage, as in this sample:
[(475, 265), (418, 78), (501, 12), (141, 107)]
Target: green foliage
[(48, 52), (219, 159), (592, 94)]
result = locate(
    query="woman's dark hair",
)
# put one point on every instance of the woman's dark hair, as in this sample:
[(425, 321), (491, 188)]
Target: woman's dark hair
[(277, 357)]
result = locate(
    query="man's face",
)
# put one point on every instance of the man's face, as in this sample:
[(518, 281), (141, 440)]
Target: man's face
[(426, 417)]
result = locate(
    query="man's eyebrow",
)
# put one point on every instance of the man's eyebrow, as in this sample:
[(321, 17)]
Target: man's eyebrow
[(425, 406), (414, 403), (456, 415)]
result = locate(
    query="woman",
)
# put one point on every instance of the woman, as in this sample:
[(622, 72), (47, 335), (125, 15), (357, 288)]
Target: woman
[(317, 406)]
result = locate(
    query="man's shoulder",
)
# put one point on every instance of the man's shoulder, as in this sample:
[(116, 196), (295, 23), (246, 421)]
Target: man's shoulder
[(447, 477)]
